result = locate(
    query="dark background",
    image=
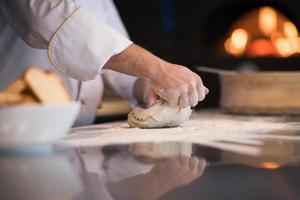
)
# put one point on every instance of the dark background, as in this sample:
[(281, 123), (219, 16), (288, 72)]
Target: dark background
[(189, 32)]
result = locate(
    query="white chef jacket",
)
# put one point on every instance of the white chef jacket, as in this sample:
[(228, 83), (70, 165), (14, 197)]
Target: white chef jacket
[(74, 38)]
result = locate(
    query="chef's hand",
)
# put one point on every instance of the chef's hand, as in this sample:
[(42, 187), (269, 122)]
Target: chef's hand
[(174, 83), (143, 92), (178, 85), (147, 91), (172, 173), (165, 176)]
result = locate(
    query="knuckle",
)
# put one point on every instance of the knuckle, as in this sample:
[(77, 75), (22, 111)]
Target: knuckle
[(182, 88), (171, 92), (192, 82), (199, 80)]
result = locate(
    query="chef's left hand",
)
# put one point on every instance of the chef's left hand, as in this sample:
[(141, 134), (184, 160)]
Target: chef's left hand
[(144, 93)]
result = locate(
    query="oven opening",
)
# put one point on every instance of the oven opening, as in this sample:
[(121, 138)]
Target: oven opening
[(263, 32)]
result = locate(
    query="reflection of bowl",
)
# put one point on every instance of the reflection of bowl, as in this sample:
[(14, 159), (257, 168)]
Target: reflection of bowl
[(38, 177), (24, 125)]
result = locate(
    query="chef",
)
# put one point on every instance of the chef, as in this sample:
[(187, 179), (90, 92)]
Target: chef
[(88, 46)]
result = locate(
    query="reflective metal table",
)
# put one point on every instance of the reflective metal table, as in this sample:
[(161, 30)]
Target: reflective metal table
[(152, 171)]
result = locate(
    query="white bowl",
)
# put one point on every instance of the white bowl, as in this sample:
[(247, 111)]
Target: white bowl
[(29, 125)]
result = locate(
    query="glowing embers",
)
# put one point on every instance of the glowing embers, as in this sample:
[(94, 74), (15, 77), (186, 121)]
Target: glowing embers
[(263, 32)]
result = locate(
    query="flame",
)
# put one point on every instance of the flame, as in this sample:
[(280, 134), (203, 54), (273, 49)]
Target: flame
[(288, 42), (283, 47), (290, 30), (298, 44), (294, 44), (237, 43), (270, 165), (267, 20), (275, 35), (239, 38)]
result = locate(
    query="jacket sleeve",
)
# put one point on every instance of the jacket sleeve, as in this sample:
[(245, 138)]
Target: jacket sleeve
[(78, 44)]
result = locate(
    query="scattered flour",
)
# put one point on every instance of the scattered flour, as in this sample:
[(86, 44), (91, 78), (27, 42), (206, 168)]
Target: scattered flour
[(246, 133)]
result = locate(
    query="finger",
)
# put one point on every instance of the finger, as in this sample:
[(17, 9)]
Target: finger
[(173, 161), (184, 161), (176, 161), (193, 96), (170, 96), (173, 100), (183, 101), (200, 89), (194, 162), (206, 90), (201, 166), (152, 97), (201, 92), (151, 101)]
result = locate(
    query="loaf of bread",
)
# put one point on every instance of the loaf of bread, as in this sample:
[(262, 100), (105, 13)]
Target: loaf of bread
[(10, 98), (36, 86), (17, 87), (47, 86)]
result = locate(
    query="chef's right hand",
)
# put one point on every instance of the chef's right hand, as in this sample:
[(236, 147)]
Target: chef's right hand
[(178, 85), (174, 83)]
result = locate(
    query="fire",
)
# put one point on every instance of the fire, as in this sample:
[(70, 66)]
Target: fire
[(237, 43), (267, 20), (239, 38), (264, 32), (290, 30), (283, 47)]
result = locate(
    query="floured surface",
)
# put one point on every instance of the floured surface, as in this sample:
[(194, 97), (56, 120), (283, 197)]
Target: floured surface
[(227, 132)]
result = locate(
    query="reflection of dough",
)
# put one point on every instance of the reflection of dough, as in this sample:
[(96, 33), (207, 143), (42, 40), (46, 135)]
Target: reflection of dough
[(162, 150), (161, 114)]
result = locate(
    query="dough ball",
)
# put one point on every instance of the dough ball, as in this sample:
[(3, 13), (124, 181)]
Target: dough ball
[(159, 115)]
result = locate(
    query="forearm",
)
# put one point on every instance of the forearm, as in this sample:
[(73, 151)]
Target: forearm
[(135, 61)]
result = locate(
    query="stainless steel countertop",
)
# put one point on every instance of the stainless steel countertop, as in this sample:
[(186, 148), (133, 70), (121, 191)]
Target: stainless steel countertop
[(153, 171)]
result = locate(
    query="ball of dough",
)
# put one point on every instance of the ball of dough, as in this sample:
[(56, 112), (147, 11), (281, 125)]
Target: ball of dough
[(159, 115)]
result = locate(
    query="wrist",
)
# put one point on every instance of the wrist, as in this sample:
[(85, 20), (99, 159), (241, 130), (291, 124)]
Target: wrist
[(155, 70), (138, 62), (149, 66)]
